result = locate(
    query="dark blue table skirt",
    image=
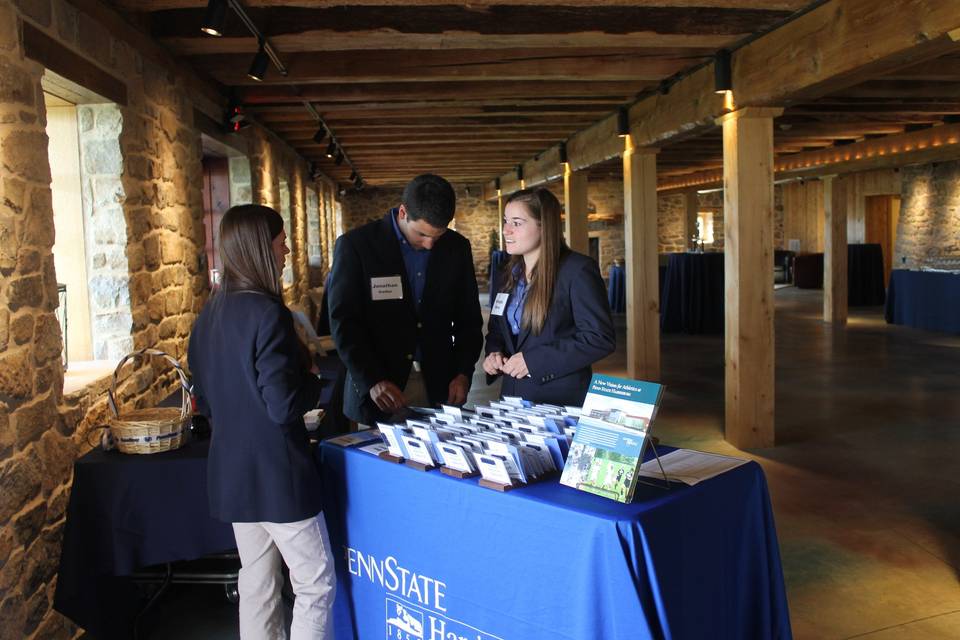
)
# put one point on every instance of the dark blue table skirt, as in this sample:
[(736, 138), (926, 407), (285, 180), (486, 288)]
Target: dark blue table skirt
[(925, 300), (692, 300), (127, 512), (547, 561), (617, 287)]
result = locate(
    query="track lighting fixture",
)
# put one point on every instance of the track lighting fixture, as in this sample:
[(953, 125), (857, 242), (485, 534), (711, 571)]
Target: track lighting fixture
[(320, 135), (258, 68), (722, 75), (331, 149), (214, 17), (623, 122)]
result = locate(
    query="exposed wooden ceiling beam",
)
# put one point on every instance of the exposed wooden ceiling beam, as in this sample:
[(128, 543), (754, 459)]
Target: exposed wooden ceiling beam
[(784, 5), (399, 65), (830, 48), (484, 90)]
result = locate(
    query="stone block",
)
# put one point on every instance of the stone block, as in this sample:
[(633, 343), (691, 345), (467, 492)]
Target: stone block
[(11, 570), (29, 261), (155, 307), (25, 292), (108, 292), (52, 300), (151, 252), (6, 444), (16, 85), (107, 192), (9, 38), (59, 498), (50, 376), (4, 328), (48, 342), (21, 328), (28, 523), (25, 153), (102, 157), (33, 420), (168, 328), (87, 118), (57, 454), (20, 479), (37, 605), (109, 121), (9, 243), (171, 251)]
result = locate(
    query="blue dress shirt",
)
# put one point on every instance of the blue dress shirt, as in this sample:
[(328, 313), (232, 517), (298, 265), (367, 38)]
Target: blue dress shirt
[(415, 260), (515, 306)]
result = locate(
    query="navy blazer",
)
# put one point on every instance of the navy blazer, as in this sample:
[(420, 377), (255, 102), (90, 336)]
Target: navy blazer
[(377, 339), (577, 332), (248, 373)]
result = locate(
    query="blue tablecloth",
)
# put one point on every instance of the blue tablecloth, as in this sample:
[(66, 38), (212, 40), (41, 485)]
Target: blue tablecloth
[(547, 561), (925, 300), (692, 300), (617, 288)]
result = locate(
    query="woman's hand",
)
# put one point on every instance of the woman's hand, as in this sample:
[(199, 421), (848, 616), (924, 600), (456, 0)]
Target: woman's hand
[(493, 362), (515, 366)]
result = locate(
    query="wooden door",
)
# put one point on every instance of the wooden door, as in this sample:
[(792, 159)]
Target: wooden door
[(879, 228), (216, 201)]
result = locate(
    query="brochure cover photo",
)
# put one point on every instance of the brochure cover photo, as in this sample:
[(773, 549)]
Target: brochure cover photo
[(611, 436)]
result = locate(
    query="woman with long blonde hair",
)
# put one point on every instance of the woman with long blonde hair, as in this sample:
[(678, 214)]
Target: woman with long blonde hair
[(551, 320), (251, 378)]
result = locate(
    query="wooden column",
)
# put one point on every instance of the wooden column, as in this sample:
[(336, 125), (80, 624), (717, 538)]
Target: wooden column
[(643, 285), (575, 203), (691, 200), (748, 275), (500, 219), (835, 250)]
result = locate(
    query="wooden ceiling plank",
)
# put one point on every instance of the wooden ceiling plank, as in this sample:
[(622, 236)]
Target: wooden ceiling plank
[(780, 5)]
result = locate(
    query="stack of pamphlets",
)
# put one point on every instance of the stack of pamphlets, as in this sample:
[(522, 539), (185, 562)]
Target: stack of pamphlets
[(611, 436), (509, 443)]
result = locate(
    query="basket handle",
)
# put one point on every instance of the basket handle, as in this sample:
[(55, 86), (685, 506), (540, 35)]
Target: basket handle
[(184, 381)]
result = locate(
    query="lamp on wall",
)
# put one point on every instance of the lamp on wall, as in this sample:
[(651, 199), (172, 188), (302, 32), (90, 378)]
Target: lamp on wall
[(722, 74), (214, 17), (258, 68)]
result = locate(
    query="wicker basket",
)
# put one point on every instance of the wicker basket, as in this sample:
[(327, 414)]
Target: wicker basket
[(150, 430)]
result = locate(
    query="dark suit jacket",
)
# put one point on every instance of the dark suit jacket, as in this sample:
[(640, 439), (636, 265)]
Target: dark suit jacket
[(377, 339), (578, 331), (248, 372)]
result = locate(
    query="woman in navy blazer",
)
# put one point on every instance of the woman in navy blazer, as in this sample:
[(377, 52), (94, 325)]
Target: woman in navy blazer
[(251, 376), (551, 320)]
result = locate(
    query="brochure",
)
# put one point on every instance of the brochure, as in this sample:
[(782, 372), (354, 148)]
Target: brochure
[(611, 435)]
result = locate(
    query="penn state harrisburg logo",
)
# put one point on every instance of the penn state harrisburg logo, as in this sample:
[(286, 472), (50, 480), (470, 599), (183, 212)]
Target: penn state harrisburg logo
[(402, 622)]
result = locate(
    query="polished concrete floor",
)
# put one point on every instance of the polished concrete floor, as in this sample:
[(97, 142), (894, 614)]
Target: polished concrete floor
[(865, 477)]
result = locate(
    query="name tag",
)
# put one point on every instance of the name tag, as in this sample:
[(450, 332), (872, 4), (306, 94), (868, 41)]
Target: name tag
[(499, 304), (386, 288)]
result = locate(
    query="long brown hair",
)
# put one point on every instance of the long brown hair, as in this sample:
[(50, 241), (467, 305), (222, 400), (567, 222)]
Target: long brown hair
[(543, 207), (246, 249)]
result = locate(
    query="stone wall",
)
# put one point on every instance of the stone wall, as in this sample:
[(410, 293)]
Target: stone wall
[(671, 227), (928, 232), (146, 239)]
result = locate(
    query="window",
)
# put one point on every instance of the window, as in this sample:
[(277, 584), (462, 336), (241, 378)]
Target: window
[(285, 214), (705, 227), (90, 247)]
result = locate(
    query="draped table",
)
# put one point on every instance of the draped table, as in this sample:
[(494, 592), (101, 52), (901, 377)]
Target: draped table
[(924, 299), (692, 299), (423, 555)]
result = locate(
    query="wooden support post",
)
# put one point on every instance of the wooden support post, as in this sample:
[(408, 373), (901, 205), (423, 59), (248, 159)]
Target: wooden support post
[(748, 275), (575, 203), (500, 219), (643, 283), (691, 200), (835, 250)]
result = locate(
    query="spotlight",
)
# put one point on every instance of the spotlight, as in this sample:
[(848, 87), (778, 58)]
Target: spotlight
[(331, 149), (496, 184), (623, 122), (258, 68), (320, 135), (519, 172), (563, 153), (214, 17), (339, 159), (722, 75), (353, 176)]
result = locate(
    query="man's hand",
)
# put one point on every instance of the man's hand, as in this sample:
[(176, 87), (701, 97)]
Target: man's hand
[(457, 391), (387, 396), (515, 366), (493, 362)]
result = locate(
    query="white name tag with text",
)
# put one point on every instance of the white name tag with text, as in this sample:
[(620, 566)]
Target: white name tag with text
[(386, 288), (499, 304)]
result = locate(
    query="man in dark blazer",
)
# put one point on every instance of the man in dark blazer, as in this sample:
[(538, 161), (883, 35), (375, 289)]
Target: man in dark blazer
[(404, 306)]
